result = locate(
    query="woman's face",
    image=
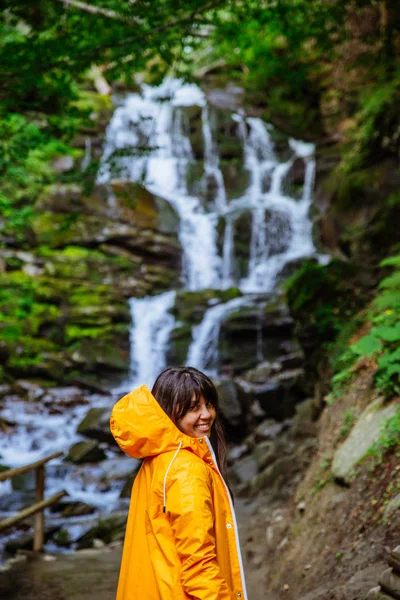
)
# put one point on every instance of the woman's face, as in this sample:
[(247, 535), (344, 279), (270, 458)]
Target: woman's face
[(198, 421)]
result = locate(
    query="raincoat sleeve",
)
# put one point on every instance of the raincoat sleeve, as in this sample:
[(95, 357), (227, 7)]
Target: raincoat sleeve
[(191, 512)]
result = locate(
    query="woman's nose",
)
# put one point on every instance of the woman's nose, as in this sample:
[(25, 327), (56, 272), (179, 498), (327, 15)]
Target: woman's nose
[(205, 412)]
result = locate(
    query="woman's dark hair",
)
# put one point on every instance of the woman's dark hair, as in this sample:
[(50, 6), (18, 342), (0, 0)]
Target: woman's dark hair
[(174, 389)]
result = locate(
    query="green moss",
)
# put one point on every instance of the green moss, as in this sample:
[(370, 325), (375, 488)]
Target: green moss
[(191, 306)]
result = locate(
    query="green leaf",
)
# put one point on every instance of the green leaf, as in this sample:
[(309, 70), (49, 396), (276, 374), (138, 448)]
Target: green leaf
[(392, 261), (367, 345), (386, 333), (391, 282)]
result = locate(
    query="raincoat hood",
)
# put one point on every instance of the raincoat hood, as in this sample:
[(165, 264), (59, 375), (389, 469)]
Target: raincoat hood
[(142, 429)]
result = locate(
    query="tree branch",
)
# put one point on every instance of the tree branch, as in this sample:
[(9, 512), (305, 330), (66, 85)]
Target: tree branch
[(163, 27), (97, 10)]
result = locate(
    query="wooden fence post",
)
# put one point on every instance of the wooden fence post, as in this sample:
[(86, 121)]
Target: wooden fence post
[(38, 538)]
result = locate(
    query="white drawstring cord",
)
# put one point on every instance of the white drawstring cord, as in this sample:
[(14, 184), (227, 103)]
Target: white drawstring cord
[(166, 475)]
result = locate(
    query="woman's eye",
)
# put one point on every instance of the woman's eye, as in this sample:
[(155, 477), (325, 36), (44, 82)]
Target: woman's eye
[(193, 407), (209, 405)]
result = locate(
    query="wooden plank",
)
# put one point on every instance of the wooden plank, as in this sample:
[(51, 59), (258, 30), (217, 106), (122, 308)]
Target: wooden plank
[(31, 510), (19, 470), (38, 536)]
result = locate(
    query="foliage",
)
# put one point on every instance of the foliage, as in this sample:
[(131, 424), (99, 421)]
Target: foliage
[(376, 122), (348, 421), (322, 299), (382, 342)]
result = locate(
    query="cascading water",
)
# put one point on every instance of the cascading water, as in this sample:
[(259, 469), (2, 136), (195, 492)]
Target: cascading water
[(158, 120), (150, 336), (280, 230)]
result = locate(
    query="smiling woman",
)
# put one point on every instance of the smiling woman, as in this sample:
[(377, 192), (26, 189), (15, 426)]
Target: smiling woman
[(181, 538)]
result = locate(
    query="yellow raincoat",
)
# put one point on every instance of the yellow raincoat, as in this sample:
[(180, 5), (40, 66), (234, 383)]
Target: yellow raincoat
[(181, 537)]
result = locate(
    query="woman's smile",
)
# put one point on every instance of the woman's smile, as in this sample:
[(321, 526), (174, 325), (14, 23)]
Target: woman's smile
[(199, 419)]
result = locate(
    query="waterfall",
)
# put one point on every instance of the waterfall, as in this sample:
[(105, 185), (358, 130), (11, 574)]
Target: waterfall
[(157, 119), (203, 351), (152, 326)]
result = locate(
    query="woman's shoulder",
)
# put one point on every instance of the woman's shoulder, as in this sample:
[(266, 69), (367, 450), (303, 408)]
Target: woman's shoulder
[(185, 461)]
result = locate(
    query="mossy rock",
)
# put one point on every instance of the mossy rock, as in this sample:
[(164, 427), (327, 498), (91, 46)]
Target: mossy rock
[(96, 425), (85, 452), (191, 306), (60, 230), (179, 343), (102, 353), (75, 262), (106, 529)]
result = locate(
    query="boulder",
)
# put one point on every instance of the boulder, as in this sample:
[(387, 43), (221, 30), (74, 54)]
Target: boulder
[(72, 508), (107, 529), (279, 395), (273, 475), (394, 559), (363, 435), (119, 467), (390, 583), (244, 470), (67, 397), (234, 407), (264, 454), (377, 594), (96, 425), (268, 430), (392, 507), (85, 452)]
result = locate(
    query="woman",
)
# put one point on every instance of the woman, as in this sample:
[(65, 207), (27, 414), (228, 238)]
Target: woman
[(181, 538)]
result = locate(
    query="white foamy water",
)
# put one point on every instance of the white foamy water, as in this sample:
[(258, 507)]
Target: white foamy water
[(203, 352), (152, 324)]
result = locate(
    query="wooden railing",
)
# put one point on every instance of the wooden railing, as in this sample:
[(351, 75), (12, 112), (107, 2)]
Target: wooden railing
[(36, 509)]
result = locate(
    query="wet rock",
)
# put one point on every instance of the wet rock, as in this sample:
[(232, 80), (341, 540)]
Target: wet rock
[(25, 541), (237, 452), (303, 424), (72, 508), (273, 475), (392, 507), (122, 468), (107, 529), (63, 164), (264, 454), (390, 583), (394, 559), (16, 500), (96, 425), (244, 469), (30, 390), (363, 435), (377, 594), (25, 482), (67, 396), (230, 405), (59, 231), (280, 394), (85, 452), (268, 430), (262, 372), (276, 531), (5, 390)]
